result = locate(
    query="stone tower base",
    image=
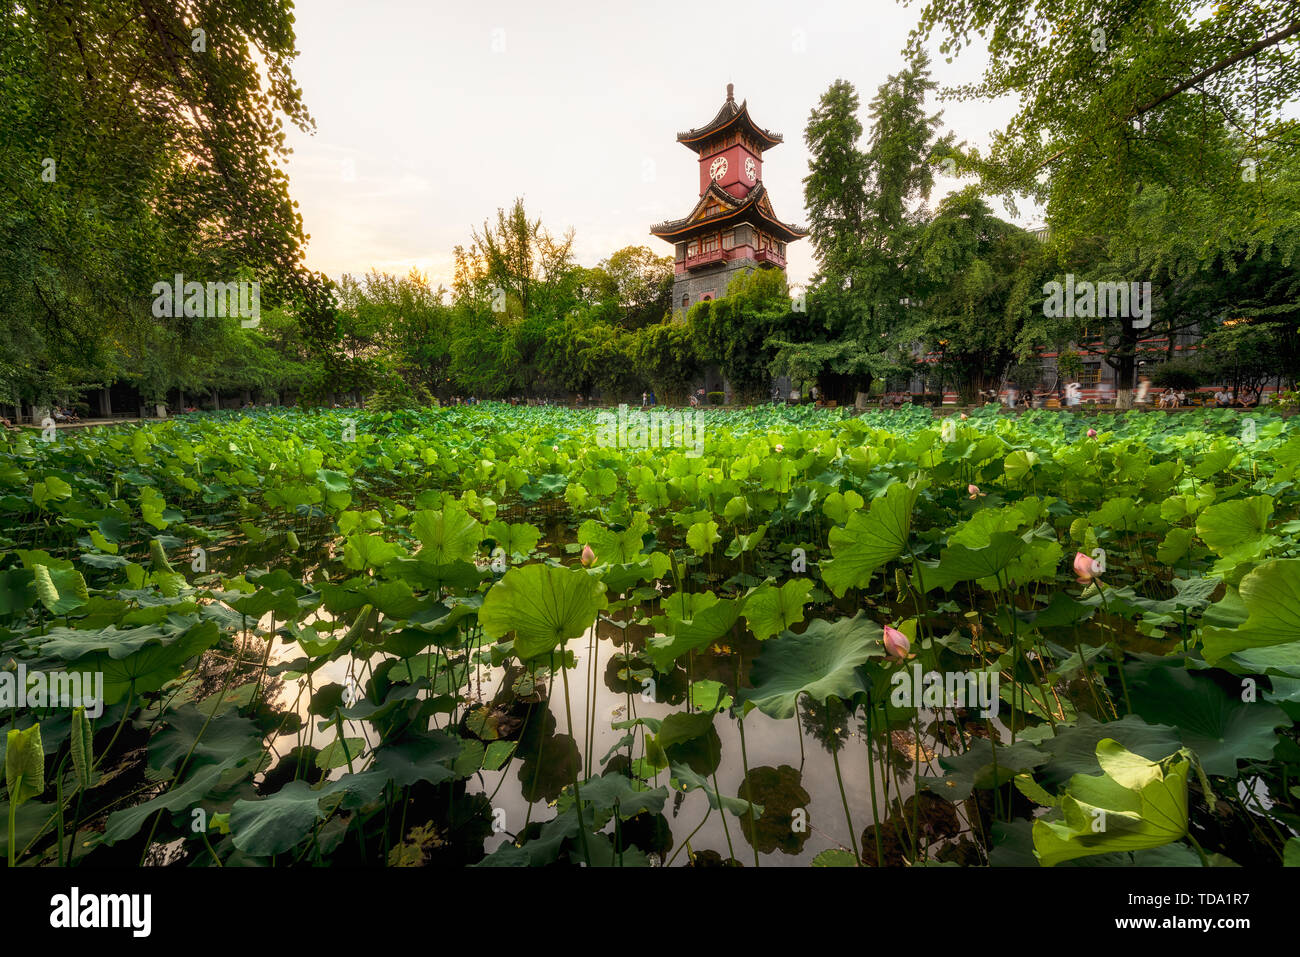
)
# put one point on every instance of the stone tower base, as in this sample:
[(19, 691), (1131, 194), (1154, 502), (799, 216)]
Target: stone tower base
[(707, 282)]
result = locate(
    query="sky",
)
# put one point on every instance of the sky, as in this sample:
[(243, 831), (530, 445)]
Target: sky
[(431, 116)]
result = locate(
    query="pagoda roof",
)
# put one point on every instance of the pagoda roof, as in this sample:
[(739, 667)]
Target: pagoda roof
[(728, 117), (755, 207)]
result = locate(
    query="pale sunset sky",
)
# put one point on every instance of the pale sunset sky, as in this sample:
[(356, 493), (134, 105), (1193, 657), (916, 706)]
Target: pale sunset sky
[(430, 116)]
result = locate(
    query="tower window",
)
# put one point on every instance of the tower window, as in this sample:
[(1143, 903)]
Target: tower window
[(729, 239), (686, 301)]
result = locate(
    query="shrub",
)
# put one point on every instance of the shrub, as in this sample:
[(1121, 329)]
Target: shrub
[(394, 393), (715, 398), (1177, 374)]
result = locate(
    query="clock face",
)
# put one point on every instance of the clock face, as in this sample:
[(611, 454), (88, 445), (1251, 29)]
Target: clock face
[(719, 168), (751, 168)]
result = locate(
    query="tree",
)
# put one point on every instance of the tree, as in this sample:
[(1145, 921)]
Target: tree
[(973, 271), (521, 261), (136, 142), (866, 207), (835, 189), (633, 287), (665, 356), (1242, 356), (1117, 95), (404, 320), (734, 330)]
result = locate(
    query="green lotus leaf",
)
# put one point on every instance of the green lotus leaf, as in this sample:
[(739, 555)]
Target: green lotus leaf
[(1073, 750), (838, 506), (140, 659), (1218, 726), (447, 535), (686, 779), (834, 857), (681, 726), (960, 563), (274, 824), (620, 578), (770, 609), (179, 800), (613, 547), (617, 792), (983, 767), (544, 605), (702, 536), (1236, 524), (1270, 595), (1019, 464), (226, 739), (1132, 805), (870, 539), (363, 550), (746, 543), (82, 744), (518, 538), (820, 663), (708, 622)]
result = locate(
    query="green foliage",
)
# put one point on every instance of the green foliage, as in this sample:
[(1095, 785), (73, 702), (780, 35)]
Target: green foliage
[(733, 330), (128, 159), (979, 584)]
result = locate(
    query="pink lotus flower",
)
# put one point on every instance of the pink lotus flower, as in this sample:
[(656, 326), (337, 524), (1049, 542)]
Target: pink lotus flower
[(779, 448), (588, 556), (1092, 433), (974, 491), (1085, 568), (965, 416), (896, 643)]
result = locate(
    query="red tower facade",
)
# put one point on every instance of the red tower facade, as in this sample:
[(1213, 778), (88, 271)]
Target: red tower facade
[(732, 226)]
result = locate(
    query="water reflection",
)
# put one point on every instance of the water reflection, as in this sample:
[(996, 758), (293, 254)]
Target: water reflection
[(791, 773), (785, 823)]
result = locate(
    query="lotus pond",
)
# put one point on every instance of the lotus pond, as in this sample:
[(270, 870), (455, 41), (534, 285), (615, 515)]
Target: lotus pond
[(491, 636)]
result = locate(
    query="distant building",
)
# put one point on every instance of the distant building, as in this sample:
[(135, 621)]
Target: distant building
[(733, 225)]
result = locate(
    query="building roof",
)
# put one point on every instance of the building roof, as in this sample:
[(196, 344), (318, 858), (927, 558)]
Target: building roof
[(728, 117), (756, 207)]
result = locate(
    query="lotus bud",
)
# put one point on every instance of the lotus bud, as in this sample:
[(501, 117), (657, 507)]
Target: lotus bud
[(779, 448), (974, 491), (1092, 433), (588, 556), (965, 416), (1085, 568), (896, 643)]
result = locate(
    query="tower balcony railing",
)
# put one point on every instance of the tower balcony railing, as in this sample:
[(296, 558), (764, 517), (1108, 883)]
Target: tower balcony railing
[(699, 259), (769, 256)]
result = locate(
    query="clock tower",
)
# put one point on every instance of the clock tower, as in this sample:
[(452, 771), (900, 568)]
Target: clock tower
[(732, 226)]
